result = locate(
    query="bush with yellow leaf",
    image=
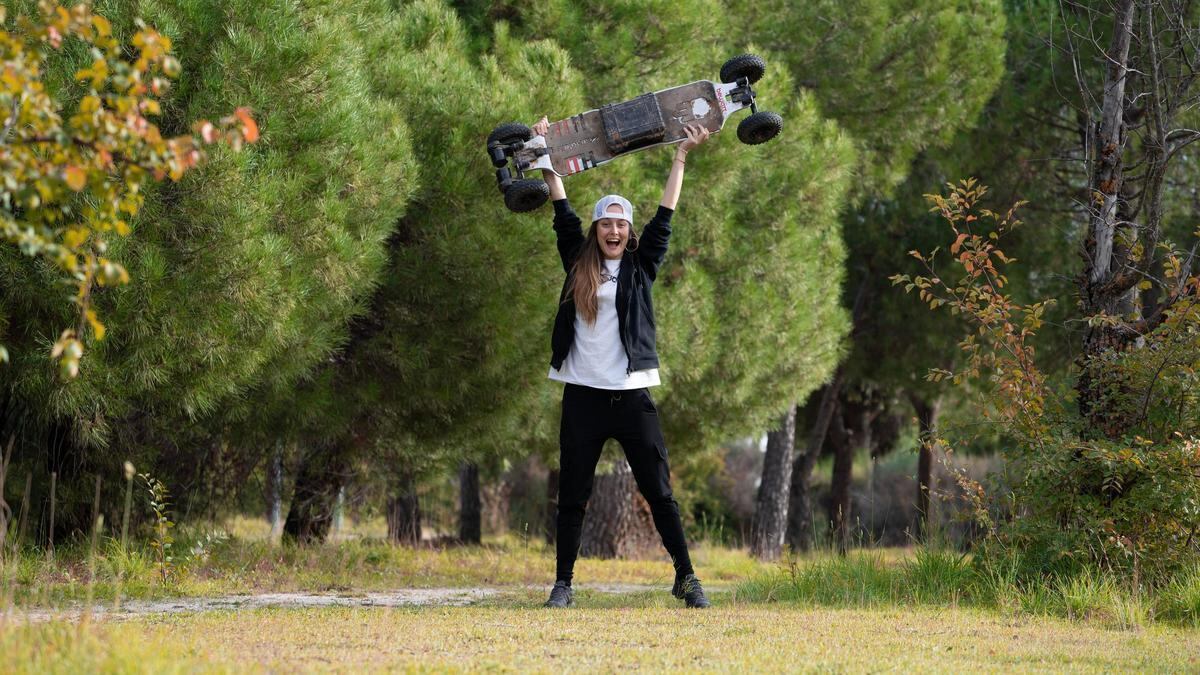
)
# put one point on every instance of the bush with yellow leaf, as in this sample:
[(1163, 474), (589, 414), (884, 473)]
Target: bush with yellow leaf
[(74, 172)]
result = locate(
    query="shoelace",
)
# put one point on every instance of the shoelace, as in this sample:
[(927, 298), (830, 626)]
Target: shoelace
[(688, 585)]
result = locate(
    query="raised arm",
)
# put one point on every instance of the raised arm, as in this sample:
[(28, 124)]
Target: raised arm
[(656, 234), (696, 134), (541, 128), (568, 228)]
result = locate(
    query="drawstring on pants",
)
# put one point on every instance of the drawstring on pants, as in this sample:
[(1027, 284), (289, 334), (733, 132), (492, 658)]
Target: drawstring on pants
[(612, 400)]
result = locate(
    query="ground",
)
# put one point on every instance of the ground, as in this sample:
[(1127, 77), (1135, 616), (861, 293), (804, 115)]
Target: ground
[(245, 605), (644, 630)]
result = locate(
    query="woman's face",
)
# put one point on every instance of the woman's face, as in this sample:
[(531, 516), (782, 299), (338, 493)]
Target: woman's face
[(612, 234)]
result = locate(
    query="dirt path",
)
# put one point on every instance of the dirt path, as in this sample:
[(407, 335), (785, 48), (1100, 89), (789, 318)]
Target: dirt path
[(404, 597)]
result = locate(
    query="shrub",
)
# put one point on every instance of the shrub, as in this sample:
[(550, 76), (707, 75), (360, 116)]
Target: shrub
[(1085, 499), (937, 575)]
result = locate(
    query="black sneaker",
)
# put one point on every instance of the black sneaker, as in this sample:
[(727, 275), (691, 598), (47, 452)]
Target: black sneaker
[(690, 591), (560, 595)]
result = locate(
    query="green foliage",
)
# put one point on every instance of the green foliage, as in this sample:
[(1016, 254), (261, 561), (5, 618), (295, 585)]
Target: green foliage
[(628, 47), (159, 500), (247, 272), (898, 75), (1179, 600), (444, 360), (936, 574), (473, 366), (750, 302), (75, 170)]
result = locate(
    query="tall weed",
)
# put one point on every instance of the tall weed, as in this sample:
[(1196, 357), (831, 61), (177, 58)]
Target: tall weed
[(1179, 600), (937, 575)]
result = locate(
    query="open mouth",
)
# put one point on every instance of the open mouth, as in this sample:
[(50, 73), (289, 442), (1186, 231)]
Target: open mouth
[(614, 242)]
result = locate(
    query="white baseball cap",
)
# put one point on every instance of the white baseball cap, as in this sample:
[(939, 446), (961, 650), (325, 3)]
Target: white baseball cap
[(601, 210)]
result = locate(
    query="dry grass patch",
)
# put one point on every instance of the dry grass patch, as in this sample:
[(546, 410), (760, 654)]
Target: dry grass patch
[(649, 632)]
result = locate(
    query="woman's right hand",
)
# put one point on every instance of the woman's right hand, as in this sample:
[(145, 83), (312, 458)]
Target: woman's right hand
[(541, 128)]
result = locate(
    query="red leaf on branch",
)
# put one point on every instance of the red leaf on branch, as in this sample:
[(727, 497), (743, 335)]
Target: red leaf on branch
[(249, 127), (75, 177), (958, 243)]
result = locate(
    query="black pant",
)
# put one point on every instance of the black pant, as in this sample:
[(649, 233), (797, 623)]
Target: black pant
[(589, 418)]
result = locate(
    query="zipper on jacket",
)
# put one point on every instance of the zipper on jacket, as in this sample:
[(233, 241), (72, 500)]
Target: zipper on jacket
[(625, 338)]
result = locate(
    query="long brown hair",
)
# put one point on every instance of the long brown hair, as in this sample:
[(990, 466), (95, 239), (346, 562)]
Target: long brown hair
[(585, 276), (585, 273)]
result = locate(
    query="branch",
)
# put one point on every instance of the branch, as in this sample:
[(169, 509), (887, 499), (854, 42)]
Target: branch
[(1191, 137), (1159, 314), (11, 121)]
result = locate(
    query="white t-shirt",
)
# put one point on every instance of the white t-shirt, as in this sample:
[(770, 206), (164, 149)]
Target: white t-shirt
[(597, 357)]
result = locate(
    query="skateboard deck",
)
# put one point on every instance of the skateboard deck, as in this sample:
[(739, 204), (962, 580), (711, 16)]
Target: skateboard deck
[(584, 141)]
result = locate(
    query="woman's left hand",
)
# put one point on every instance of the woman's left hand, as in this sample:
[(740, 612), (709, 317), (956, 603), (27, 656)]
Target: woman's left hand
[(696, 134)]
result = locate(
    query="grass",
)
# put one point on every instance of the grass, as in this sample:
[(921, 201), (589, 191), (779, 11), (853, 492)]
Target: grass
[(896, 609), (247, 563), (515, 635), (941, 578)]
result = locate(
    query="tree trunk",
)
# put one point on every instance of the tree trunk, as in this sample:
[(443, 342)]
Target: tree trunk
[(5, 509), (275, 493), (1105, 287), (496, 498), (927, 417), (618, 523), (770, 513), (470, 524), (551, 524), (404, 513), (339, 514), (323, 472), (843, 464), (800, 511)]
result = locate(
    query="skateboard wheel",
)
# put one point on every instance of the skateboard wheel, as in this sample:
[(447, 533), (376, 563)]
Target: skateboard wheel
[(526, 195), (760, 127), (511, 132), (749, 66)]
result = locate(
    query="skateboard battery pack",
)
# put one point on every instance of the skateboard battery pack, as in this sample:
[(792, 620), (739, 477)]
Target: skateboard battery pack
[(633, 124)]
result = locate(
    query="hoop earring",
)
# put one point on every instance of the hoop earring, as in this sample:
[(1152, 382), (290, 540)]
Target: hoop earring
[(633, 239)]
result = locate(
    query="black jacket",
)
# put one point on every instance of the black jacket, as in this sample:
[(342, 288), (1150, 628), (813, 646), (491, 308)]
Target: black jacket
[(635, 311)]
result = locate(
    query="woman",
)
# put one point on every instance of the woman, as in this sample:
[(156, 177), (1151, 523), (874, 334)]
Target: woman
[(603, 349)]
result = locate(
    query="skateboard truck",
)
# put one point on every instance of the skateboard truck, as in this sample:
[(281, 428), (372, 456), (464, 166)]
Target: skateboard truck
[(505, 141), (503, 179), (744, 94)]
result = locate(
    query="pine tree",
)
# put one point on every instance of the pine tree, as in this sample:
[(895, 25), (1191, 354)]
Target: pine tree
[(244, 274), (446, 363)]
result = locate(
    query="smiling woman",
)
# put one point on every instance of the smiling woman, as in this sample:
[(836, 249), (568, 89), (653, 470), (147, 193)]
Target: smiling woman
[(604, 351)]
